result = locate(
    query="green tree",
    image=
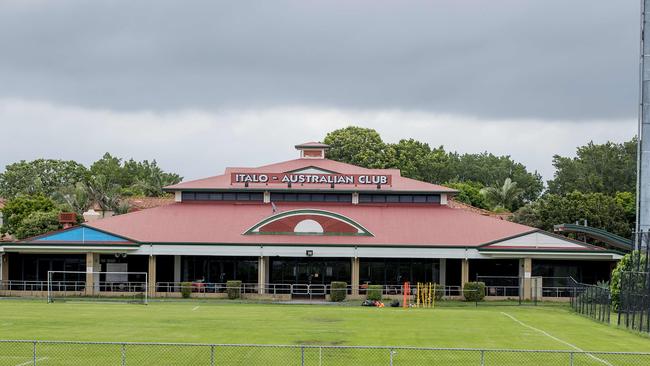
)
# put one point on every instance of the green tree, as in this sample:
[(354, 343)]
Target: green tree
[(19, 208), (489, 169), (503, 196), (105, 193), (133, 178), (600, 210), (75, 198), (469, 192), (416, 160), (359, 146), (44, 176), (37, 223), (605, 168)]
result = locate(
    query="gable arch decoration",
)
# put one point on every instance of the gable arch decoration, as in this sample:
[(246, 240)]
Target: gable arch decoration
[(308, 222)]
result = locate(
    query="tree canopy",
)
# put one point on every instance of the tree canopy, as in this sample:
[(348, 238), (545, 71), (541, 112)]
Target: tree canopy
[(606, 168), (41, 176), (417, 160), (17, 211)]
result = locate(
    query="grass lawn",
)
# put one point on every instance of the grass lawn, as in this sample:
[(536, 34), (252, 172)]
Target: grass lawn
[(227, 322)]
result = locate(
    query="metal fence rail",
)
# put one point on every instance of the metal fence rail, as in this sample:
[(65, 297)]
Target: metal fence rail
[(59, 353), (592, 301)]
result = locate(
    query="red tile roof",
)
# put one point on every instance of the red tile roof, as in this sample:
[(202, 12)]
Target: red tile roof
[(220, 222), (399, 183)]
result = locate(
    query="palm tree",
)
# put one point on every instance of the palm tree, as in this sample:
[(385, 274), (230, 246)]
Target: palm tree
[(503, 196)]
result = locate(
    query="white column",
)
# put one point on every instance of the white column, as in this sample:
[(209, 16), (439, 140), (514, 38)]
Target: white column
[(177, 268), (443, 272)]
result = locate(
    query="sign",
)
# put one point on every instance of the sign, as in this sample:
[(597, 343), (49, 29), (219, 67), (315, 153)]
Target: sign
[(304, 178)]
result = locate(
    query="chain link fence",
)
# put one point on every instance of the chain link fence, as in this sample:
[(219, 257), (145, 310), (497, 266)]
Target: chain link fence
[(60, 353)]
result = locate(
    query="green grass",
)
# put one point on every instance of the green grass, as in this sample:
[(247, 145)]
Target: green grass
[(228, 322)]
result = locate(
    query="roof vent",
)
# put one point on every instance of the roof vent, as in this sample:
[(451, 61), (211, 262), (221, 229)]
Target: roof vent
[(312, 150), (67, 219)]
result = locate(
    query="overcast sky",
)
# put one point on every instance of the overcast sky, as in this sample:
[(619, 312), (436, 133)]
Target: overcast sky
[(201, 85)]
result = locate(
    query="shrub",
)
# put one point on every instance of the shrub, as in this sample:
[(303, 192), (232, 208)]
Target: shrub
[(186, 289), (339, 291), (630, 262), (474, 291), (233, 288), (374, 292)]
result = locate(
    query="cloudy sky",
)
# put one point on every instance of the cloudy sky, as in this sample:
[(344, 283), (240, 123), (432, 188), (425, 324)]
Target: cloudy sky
[(201, 85)]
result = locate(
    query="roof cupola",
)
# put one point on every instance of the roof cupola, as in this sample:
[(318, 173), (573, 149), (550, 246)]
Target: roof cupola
[(312, 150)]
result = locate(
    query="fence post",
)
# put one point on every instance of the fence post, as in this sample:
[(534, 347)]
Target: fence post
[(302, 355), (570, 358), (212, 355), (123, 354), (482, 357), (34, 353), (390, 352)]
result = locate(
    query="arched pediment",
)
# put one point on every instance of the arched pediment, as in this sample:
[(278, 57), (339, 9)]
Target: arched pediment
[(308, 222)]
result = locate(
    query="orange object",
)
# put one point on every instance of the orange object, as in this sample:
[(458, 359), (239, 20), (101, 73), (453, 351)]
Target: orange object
[(406, 292)]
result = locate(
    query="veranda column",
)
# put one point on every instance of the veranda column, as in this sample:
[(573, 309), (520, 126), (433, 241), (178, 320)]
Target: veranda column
[(177, 273), (262, 274), (92, 275), (464, 272), (442, 278), (355, 276), (527, 265), (5, 269), (151, 275)]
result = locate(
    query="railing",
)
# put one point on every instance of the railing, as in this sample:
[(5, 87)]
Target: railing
[(122, 286), (35, 353), (33, 286), (564, 291), (287, 288), (592, 301)]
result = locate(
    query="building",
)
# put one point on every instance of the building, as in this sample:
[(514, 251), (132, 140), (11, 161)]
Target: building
[(293, 227)]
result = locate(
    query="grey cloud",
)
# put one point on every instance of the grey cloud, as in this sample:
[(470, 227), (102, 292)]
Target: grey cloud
[(493, 59)]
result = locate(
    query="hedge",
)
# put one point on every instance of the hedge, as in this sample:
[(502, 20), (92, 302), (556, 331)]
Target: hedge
[(474, 291), (233, 288), (186, 289), (339, 290), (374, 292)]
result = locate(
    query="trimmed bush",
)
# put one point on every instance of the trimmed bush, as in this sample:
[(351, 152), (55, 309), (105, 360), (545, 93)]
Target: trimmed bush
[(338, 291), (233, 288), (186, 289), (374, 292), (474, 291)]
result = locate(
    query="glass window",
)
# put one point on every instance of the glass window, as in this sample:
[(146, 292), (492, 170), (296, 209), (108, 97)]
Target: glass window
[(392, 198), (201, 196), (420, 199), (405, 198), (229, 196), (243, 197), (318, 197), (379, 198), (291, 197), (257, 196), (435, 198), (188, 196), (304, 197), (216, 196)]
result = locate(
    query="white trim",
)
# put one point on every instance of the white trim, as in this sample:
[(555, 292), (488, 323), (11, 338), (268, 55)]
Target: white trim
[(178, 196), (316, 212), (537, 240)]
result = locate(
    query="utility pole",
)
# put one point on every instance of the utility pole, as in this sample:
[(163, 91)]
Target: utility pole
[(643, 151)]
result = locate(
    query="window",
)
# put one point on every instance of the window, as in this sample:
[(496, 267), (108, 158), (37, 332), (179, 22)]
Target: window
[(222, 196), (399, 198), (310, 197)]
